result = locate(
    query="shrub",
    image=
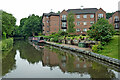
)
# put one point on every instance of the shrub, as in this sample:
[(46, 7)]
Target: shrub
[(95, 48), (55, 39), (7, 44)]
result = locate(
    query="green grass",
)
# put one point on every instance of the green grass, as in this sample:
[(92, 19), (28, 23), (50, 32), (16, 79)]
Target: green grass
[(111, 49)]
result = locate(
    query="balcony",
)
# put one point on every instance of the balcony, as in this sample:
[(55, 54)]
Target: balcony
[(64, 20), (63, 27), (116, 21), (117, 27)]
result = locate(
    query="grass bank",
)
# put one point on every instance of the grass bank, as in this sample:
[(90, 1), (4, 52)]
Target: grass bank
[(111, 49)]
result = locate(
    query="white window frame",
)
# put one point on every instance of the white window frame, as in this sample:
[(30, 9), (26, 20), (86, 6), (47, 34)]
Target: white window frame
[(84, 16), (91, 22), (78, 22), (100, 16), (46, 16), (85, 29), (92, 16), (47, 21), (63, 17), (116, 25), (84, 23), (78, 30), (64, 24), (78, 16), (64, 30)]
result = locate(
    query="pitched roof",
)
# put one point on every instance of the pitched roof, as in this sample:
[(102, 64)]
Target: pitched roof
[(50, 14), (83, 11)]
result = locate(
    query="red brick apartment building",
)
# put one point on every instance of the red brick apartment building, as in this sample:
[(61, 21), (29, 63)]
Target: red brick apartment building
[(115, 20), (84, 18)]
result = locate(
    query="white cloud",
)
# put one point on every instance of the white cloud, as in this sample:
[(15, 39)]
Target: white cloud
[(22, 8)]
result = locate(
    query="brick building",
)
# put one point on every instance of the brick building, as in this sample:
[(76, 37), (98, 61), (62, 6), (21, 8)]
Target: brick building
[(51, 23), (115, 20), (84, 18)]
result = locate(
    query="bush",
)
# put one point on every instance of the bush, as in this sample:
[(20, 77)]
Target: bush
[(95, 48), (101, 31), (7, 44), (55, 39)]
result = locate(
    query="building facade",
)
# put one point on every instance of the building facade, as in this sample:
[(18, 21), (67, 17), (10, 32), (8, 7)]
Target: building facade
[(50, 23), (115, 20), (84, 18)]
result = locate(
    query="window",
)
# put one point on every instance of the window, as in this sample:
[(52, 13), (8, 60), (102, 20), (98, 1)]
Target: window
[(91, 22), (84, 23), (78, 23), (85, 29), (84, 16), (47, 26), (100, 16), (63, 17), (92, 16), (116, 26), (64, 30), (77, 30), (78, 16), (47, 21), (46, 16), (116, 18), (47, 31), (63, 24)]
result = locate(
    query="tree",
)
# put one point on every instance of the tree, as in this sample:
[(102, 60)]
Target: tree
[(31, 25), (71, 25), (8, 23), (101, 31), (108, 15)]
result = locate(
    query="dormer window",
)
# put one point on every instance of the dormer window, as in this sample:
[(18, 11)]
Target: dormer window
[(100, 16)]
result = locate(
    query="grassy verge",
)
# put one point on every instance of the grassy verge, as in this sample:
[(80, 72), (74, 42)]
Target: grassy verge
[(111, 49)]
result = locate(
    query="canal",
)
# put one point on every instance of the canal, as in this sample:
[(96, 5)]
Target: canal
[(28, 60)]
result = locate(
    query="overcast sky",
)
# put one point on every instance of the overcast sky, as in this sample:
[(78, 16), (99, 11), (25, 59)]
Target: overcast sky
[(23, 8)]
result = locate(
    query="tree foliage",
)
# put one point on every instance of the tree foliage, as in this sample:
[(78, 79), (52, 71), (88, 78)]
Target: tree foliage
[(71, 25), (108, 15), (101, 31), (8, 23), (31, 25)]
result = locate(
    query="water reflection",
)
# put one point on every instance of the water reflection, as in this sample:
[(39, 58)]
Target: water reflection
[(8, 62), (50, 62)]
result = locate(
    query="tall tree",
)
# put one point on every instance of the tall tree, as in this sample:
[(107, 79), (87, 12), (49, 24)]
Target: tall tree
[(71, 25), (8, 23), (31, 25)]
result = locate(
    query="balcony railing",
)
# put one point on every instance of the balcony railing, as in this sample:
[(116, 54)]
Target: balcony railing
[(117, 27), (116, 21), (63, 27), (63, 19)]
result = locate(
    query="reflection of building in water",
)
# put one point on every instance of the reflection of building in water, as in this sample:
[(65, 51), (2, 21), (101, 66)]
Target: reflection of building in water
[(66, 62), (50, 58)]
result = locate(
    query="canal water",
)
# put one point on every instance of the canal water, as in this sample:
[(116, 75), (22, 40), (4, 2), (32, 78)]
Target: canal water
[(28, 60)]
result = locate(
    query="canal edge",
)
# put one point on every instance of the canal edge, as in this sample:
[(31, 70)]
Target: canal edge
[(89, 53)]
